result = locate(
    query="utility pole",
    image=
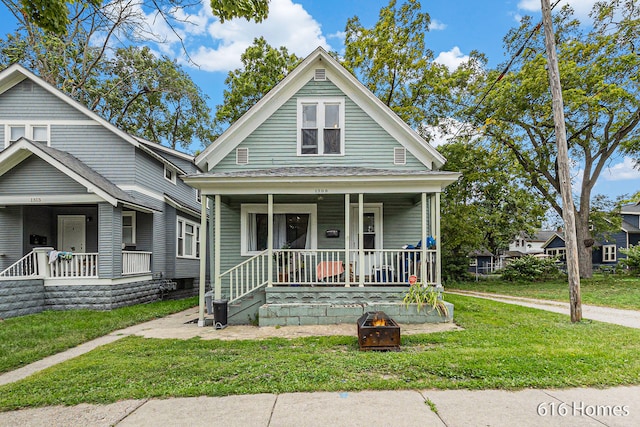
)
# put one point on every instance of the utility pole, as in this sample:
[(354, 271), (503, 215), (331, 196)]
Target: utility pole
[(568, 216)]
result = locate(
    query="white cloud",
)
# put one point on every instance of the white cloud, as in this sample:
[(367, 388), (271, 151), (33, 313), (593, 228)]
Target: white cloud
[(288, 25), (451, 59), (622, 171), (437, 25)]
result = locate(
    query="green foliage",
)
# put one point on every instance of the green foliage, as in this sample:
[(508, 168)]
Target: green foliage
[(501, 346), (391, 59), (425, 296), (530, 268), (632, 260), (599, 68), (262, 68), (52, 15), (486, 207), (256, 10)]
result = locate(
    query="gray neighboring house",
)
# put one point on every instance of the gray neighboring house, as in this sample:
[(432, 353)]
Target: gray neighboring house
[(90, 216)]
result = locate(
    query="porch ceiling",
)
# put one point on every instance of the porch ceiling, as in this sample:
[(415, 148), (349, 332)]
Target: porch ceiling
[(321, 180)]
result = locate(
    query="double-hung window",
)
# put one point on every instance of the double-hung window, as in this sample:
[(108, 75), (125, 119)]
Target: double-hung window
[(320, 126), (188, 239), (608, 253), (129, 228)]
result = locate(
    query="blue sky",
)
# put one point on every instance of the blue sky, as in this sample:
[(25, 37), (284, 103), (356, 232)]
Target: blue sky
[(457, 28)]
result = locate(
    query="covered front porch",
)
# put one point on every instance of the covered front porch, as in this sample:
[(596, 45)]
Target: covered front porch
[(321, 228)]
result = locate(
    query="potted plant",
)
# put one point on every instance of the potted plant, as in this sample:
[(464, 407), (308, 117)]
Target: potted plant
[(425, 296)]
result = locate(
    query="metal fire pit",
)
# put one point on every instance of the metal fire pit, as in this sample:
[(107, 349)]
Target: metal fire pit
[(380, 337)]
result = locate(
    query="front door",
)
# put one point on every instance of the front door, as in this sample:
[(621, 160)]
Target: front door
[(372, 237), (71, 233)]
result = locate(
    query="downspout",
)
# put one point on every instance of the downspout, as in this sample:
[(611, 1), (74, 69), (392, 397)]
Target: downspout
[(203, 259)]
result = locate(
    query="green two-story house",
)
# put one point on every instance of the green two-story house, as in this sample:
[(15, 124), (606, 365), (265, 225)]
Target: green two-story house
[(321, 197)]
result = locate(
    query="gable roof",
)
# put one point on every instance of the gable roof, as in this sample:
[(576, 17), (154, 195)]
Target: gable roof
[(70, 166), (16, 73), (346, 82)]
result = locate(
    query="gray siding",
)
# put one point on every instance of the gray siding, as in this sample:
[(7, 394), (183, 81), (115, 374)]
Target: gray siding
[(274, 142), (35, 176), (19, 103), (10, 235), (159, 260), (98, 148), (110, 241)]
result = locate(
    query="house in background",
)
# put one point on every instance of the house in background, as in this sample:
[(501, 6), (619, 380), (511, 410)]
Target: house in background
[(90, 217), (606, 249), (324, 203)]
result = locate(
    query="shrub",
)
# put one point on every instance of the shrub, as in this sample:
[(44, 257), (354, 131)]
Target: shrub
[(632, 260), (530, 268)]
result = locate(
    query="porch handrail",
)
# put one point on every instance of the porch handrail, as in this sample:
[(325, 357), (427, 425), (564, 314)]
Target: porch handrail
[(136, 262), (24, 267), (76, 265), (247, 276)]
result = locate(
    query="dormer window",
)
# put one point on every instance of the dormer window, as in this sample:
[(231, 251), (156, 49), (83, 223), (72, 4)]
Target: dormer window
[(320, 126), (169, 174)]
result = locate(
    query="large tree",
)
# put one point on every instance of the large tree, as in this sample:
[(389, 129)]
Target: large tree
[(147, 95), (391, 58), (486, 207), (263, 66), (599, 68)]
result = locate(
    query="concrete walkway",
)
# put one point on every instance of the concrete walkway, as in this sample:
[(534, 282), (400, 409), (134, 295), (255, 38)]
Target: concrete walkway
[(629, 318), (618, 406)]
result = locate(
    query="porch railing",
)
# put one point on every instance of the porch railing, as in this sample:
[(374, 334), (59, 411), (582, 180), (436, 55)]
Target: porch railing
[(74, 265), (24, 267), (328, 267), (136, 262), (247, 276)]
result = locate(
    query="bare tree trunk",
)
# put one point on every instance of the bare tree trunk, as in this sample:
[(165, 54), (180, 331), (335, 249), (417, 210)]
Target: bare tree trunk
[(585, 245)]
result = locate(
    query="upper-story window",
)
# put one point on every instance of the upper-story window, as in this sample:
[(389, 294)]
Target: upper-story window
[(169, 174), (320, 126), (36, 133)]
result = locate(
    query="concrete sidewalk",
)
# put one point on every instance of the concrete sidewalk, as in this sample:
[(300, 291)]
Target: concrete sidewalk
[(618, 406), (629, 318)]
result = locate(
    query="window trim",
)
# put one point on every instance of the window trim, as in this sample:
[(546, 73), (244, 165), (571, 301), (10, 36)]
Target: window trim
[(181, 224), (132, 214), (173, 174), (287, 208), (613, 255), (28, 132), (320, 123)]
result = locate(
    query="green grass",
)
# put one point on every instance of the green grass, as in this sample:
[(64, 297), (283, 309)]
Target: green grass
[(502, 346), (26, 339), (610, 291)]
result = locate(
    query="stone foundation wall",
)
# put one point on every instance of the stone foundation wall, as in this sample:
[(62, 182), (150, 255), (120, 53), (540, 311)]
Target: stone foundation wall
[(101, 297), (19, 297)]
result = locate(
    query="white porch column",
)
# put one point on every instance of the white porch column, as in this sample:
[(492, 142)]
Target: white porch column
[(361, 239), (217, 248), (423, 247), (347, 240), (270, 240), (438, 241), (203, 259)]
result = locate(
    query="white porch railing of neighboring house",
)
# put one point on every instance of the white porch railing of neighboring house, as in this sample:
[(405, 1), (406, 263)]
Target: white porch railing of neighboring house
[(136, 262), (24, 267), (327, 267), (246, 276), (74, 265)]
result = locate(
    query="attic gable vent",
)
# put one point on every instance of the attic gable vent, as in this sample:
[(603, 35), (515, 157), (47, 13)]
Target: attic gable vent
[(321, 74), (242, 156), (399, 156)]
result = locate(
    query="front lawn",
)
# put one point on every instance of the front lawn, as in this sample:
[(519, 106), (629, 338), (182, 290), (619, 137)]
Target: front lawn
[(25, 339), (611, 290), (502, 346)]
